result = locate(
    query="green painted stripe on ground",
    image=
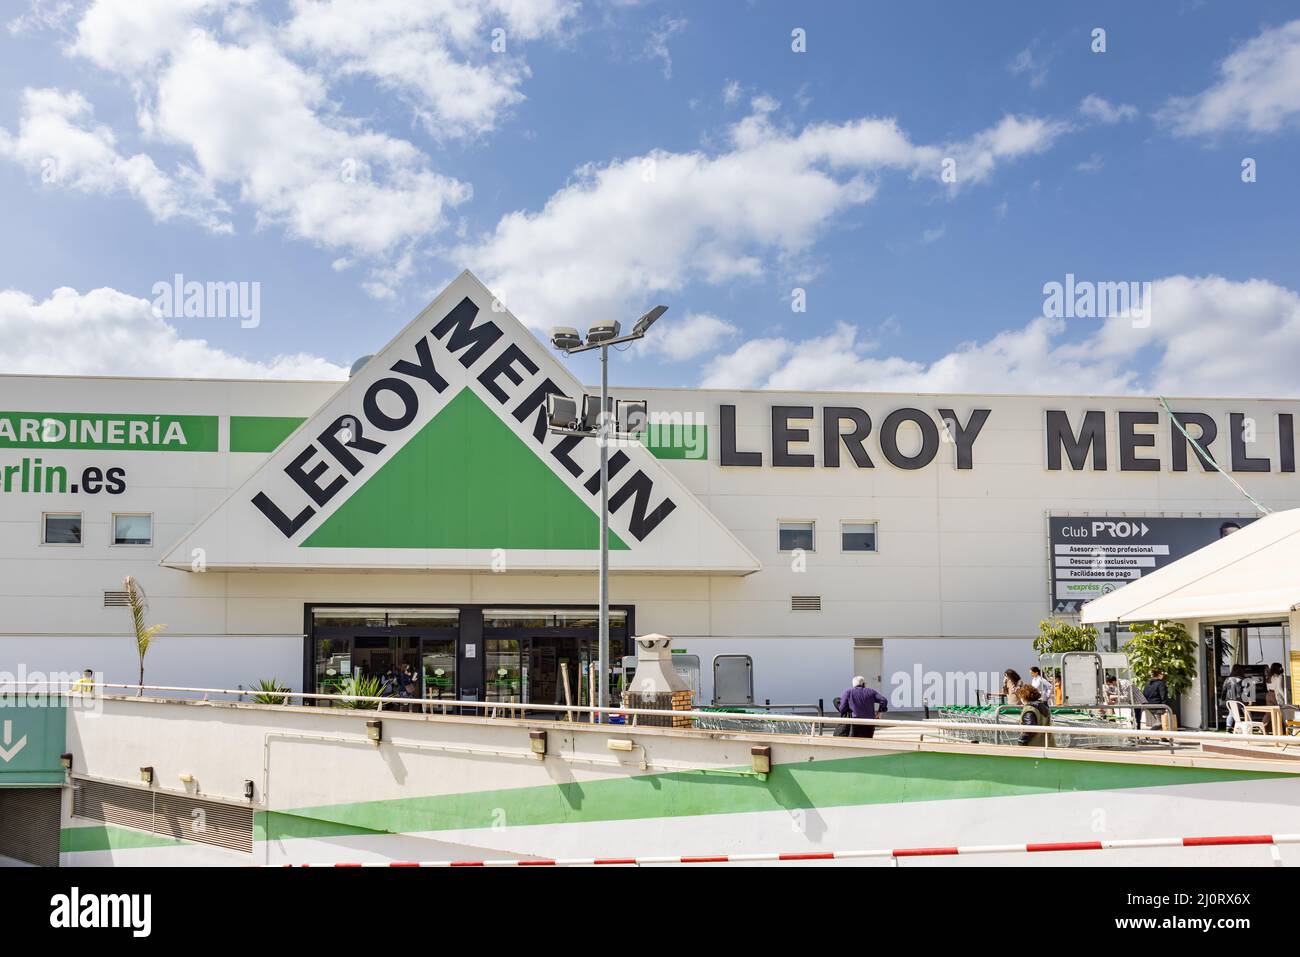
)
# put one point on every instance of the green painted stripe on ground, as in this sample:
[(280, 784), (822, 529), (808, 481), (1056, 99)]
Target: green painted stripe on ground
[(862, 780), (261, 433), (110, 837)]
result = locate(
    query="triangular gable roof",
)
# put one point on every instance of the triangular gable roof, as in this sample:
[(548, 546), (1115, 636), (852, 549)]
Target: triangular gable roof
[(435, 455), (1251, 573)]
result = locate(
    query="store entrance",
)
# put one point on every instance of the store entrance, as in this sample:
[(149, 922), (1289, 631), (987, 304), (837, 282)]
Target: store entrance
[(404, 653), (510, 655), (1247, 650), (536, 669), (544, 657)]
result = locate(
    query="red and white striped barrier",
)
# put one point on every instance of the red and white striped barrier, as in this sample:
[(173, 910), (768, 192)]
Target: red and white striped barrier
[(1229, 840)]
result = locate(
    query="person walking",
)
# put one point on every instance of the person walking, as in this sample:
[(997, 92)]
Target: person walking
[(861, 702), (1034, 712)]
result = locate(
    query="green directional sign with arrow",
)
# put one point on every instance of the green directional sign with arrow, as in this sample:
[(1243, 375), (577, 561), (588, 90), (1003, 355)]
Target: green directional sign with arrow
[(33, 735)]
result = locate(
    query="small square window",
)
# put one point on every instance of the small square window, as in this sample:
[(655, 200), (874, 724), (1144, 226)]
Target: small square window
[(858, 537), (792, 535), (132, 529), (62, 528)]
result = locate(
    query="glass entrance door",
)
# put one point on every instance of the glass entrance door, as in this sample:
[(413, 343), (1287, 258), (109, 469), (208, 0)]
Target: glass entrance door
[(438, 668), (551, 662)]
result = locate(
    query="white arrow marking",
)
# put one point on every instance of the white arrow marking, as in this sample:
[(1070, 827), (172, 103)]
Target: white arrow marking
[(7, 753)]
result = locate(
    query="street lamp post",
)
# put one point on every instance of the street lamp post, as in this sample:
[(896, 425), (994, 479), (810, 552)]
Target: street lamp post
[(600, 336)]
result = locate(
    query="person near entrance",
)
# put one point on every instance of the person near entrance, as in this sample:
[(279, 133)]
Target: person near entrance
[(1276, 694), (861, 702), (1156, 691), (1234, 689)]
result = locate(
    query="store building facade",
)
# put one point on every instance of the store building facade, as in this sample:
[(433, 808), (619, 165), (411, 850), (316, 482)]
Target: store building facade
[(421, 513)]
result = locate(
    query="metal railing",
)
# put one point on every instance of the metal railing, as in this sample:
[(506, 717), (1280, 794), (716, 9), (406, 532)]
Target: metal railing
[(241, 696)]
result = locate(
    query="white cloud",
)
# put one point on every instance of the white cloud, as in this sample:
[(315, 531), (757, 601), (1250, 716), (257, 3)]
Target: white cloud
[(41, 15), (106, 332), (1099, 108), (129, 36), (693, 335), (1093, 164), (1207, 336), (656, 45), (933, 235), (58, 141), (731, 92), (748, 366), (1028, 63), (631, 227), (257, 121), (1258, 88), (250, 98), (442, 58)]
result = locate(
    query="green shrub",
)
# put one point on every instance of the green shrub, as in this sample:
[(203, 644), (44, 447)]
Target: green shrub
[(1057, 636), (1163, 646)]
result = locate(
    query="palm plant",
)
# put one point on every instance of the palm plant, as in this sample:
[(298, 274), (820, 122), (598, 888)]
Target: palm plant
[(264, 687), (360, 686), (144, 634)]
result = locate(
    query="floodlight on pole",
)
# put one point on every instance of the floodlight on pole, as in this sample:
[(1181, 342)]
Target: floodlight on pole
[(642, 325), (566, 417), (565, 337)]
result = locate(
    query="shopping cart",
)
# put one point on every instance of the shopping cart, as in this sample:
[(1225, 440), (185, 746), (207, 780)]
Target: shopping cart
[(1004, 726), (718, 721)]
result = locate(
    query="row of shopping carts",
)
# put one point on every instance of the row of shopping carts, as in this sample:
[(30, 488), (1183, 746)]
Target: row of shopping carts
[(719, 719), (1000, 724)]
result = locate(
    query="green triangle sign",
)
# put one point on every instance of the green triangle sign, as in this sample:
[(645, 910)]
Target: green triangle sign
[(465, 480)]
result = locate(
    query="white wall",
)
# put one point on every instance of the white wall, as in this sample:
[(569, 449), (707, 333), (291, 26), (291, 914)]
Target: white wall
[(221, 661)]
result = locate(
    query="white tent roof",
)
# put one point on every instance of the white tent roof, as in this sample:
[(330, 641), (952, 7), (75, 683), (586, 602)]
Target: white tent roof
[(1251, 573)]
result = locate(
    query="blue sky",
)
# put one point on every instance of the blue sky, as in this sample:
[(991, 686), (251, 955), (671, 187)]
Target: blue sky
[(351, 156)]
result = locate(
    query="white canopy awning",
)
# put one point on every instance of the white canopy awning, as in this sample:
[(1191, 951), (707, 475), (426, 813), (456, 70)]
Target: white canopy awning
[(1252, 573)]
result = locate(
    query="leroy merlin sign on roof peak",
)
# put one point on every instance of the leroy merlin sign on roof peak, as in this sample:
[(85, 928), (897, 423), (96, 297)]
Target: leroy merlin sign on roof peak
[(436, 455)]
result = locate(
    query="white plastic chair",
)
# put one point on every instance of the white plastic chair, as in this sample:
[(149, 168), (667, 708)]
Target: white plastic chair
[(1240, 724)]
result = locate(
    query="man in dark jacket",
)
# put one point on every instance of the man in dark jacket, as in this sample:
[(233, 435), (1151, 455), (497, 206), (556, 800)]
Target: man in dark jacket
[(861, 702), (1157, 692)]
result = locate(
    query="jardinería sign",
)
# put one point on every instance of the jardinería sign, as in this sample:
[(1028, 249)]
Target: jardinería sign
[(94, 430)]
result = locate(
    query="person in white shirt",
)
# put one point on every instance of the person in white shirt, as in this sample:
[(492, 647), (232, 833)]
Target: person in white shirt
[(1043, 684)]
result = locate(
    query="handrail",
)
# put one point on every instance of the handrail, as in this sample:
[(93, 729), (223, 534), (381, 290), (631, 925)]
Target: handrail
[(425, 703)]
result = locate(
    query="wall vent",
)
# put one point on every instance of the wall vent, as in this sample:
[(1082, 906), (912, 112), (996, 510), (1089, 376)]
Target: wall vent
[(174, 815), (805, 602), (116, 599)]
